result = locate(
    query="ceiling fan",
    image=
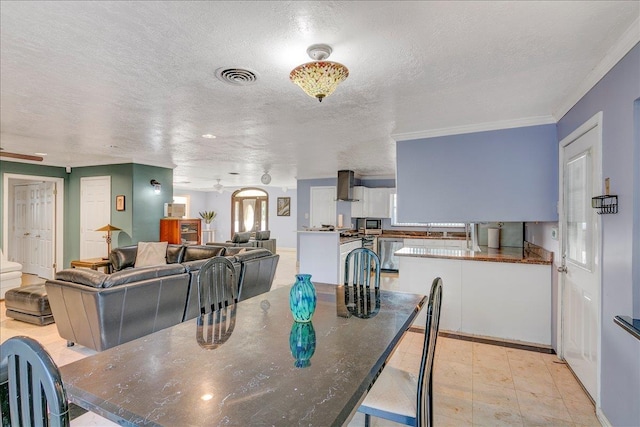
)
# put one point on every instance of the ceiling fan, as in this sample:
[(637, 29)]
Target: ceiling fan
[(20, 156), (218, 187)]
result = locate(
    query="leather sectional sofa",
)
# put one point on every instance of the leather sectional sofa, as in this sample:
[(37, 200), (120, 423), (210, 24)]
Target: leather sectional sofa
[(100, 311)]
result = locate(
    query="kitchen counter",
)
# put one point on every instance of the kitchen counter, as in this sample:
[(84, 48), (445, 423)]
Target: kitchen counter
[(437, 235), (530, 254)]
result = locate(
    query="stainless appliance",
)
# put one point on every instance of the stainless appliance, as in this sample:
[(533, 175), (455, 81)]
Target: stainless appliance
[(369, 242), (387, 246), (370, 226)]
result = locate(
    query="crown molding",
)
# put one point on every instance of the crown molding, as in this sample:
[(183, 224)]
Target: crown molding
[(478, 127), (625, 43)]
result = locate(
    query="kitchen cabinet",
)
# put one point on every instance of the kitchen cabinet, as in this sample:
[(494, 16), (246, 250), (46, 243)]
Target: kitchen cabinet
[(180, 231), (358, 209), (379, 202), (345, 248), (372, 202), (496, 299)]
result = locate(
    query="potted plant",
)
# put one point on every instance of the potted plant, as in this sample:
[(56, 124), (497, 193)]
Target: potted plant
[(208, 216)]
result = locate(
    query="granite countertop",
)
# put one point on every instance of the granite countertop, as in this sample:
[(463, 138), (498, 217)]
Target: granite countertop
[(527, 255), (438, 235)]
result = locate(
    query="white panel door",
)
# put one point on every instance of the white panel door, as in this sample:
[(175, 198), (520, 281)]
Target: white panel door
[(18, 251), (323, 206), (46, 229), (580, 272), (95, 212), (30, 265)]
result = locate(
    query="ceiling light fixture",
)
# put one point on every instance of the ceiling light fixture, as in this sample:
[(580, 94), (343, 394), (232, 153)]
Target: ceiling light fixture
[(319, 78), (209, 136)]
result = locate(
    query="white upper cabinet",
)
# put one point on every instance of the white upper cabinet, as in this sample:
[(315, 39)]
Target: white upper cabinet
[(358, 209), (379, 202), (372, 202)]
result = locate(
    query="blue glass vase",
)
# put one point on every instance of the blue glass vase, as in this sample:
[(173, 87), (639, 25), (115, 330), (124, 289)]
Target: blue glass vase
[(302, 342), (302, 298)]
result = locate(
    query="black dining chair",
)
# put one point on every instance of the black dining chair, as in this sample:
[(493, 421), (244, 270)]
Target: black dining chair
[(217, 285), (31, 389), (396, 394), (36, 394), (361, 264)]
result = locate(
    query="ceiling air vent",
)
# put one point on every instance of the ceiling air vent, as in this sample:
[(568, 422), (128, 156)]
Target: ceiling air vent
[(236, 76)]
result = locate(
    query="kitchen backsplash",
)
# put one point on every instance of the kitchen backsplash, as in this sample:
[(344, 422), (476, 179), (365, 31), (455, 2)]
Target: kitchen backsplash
[(511, 233)]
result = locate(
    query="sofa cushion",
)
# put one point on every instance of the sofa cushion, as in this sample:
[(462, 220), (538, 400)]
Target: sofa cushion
[(241, 237), (123, 257), (263, 235), (252, 254), (196, 252), (7, 266), (83, 276), (175, 253), (131, 275), (151, 253)]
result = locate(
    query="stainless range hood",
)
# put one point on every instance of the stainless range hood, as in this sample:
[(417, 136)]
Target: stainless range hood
[(346, 179)]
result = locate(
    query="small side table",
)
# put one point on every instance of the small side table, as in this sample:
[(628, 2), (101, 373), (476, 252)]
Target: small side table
[(208, 236), (92, 263)]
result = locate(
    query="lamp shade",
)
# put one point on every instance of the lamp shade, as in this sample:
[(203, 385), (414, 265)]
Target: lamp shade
[(108, 227), (319, 79)]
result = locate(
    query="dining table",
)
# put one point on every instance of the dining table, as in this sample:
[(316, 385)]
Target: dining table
[(252, 365)]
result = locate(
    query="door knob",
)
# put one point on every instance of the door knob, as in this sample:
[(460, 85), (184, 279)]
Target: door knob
[(562, 269)]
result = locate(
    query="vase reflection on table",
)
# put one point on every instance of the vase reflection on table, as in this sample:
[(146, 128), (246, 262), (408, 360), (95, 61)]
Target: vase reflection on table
[(302, 343)]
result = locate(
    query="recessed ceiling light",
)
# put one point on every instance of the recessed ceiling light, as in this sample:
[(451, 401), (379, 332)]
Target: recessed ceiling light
[(40, 154), (209, 136)]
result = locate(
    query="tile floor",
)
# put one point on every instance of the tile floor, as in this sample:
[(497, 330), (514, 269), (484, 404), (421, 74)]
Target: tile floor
[(474, 384)]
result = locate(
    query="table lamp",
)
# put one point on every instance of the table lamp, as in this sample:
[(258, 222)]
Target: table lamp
[(108, 228)]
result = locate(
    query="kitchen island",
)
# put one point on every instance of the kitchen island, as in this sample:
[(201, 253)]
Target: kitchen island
[(322, 254), (499, 293)]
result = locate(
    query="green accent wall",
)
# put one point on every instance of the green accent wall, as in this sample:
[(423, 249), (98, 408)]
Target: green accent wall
[(140, 221), (148, 207)]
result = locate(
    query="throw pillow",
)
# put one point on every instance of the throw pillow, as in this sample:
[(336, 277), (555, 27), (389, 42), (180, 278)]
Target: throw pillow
[(151, 253)]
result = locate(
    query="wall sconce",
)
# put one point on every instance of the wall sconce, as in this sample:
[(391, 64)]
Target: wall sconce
[(157, 187)]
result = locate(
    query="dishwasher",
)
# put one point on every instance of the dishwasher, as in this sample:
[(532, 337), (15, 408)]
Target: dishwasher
[(386, 249)]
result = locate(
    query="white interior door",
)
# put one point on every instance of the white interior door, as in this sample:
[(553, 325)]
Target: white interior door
[(46, 229), (18, 250), (323, 206), (31, 241), (95, 212), (580, 271)]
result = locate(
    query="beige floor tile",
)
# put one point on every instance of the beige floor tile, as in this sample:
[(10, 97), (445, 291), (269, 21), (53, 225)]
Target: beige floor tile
[(529, 368), (499, 377), (542, 420), (518, 354), (582, 413), (494, 395), (491, 359), (453, 407), (537, 385), (453, 390), (451, 372), (489, 415), (442, 421), (532, 404)]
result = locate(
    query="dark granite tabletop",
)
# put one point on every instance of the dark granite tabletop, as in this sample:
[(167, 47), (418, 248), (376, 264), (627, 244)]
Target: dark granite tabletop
[(251, 378)]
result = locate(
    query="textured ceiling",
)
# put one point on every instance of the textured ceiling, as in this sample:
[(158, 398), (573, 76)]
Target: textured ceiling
[(113, 82)]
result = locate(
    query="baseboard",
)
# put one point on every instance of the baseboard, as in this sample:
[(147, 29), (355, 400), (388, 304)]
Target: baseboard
[(603, 420), (520, 345)]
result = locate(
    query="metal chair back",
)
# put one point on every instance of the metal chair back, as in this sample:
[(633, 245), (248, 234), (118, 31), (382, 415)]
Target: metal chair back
[(361, 264), (424, 416), (36, 393), (217, 285), (215, 328)]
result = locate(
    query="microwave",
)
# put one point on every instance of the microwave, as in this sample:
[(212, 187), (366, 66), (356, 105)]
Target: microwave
[(370, 226)]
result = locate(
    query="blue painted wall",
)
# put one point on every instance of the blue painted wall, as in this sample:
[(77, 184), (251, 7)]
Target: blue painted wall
[(615, 95), (503, 175)]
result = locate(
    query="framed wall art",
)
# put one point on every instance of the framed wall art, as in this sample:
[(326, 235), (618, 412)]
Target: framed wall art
[(284, 206), (120, 202)]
